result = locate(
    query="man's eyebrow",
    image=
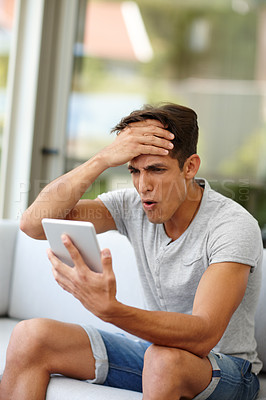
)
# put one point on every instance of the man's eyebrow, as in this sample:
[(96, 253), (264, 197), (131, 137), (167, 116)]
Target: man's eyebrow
[(131, 168), (149, 167), (157, 165)]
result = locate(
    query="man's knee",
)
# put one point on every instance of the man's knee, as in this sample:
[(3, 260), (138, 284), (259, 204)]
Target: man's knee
[(183, 374), (161, 359), (164, 373), (27, 342)]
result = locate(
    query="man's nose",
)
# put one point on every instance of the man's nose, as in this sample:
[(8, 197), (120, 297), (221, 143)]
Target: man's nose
[(145, 184)]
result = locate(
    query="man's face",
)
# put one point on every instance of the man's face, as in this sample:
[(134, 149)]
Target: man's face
[(160, 184)]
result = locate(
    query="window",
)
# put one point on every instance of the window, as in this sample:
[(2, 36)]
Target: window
[(6, 28), (183, 52)]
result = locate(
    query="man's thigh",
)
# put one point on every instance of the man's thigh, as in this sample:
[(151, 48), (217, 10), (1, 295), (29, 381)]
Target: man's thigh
[(125, 361), (60, 348), (232, 379)]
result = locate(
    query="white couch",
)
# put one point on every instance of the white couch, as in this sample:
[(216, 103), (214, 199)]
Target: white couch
[(27, 290)]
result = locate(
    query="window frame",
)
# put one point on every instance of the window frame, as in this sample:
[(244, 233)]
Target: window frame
[(39, 80)]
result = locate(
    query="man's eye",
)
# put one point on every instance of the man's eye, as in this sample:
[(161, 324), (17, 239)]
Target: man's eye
[(159, 170), (133, 171)]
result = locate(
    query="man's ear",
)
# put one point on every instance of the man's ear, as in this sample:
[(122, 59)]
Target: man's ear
[(191, 166)]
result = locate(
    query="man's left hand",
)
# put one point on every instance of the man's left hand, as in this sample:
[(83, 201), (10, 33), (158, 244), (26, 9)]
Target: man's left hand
[(96, 291)]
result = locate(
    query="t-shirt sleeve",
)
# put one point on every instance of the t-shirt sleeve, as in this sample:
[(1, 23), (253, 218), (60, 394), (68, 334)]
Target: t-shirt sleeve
[(113, 201), (235, 238), (122, 206)]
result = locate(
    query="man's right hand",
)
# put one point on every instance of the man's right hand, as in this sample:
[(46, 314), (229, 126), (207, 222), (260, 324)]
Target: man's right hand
[(144, 137)]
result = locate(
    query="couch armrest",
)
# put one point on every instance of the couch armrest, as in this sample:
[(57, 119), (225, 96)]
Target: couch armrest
[(260, 320), (8, 234)]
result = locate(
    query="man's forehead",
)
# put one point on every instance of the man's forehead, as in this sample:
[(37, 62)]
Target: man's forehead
[(146, 160)]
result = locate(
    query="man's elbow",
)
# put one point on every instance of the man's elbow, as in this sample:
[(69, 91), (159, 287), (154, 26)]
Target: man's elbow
[(23, 224), (203, 351), (204, 346), (29, 229)]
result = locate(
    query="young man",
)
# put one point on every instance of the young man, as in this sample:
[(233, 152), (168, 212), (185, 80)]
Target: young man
[(199, 258)]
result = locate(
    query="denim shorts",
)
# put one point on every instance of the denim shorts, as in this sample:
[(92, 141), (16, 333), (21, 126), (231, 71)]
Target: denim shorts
[(119, 363)]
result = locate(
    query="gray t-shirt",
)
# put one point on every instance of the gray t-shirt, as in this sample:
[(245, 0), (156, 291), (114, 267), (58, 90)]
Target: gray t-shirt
[(170, 271)]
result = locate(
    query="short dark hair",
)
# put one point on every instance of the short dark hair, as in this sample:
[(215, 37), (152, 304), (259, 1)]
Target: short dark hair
[(180, 120)]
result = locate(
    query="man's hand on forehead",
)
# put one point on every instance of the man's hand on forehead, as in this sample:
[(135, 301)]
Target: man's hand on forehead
[(142, 137), (149, 127)]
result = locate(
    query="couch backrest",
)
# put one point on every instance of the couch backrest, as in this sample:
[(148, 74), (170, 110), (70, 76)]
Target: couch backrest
[(35, 293), (8, 234)]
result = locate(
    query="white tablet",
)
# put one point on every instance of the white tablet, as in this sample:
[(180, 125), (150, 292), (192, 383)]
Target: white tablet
[(83, 236)]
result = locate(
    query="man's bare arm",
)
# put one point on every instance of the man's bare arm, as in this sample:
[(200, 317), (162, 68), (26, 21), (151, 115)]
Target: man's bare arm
[(61, 198), (219, 293)]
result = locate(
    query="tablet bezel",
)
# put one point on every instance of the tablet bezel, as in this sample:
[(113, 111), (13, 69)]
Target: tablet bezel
[(83, 236)]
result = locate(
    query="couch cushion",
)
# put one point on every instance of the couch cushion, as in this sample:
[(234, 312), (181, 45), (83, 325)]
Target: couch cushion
[(262, 393), (261, 317), (8, 233), (36, 294), (69, 389), (6, 327)]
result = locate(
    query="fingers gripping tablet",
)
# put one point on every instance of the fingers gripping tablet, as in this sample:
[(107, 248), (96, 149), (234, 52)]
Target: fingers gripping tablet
[(83, 236)]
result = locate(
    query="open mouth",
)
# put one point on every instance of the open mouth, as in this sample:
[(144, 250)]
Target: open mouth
[(148, 204)]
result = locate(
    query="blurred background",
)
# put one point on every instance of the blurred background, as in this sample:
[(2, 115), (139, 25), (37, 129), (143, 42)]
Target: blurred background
[(71, 69)]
